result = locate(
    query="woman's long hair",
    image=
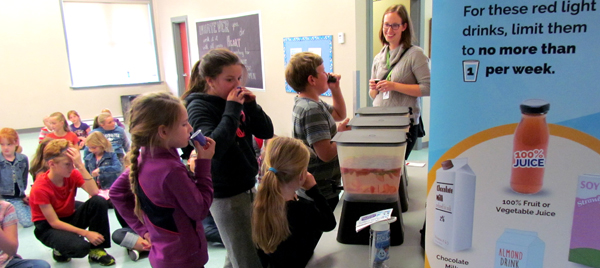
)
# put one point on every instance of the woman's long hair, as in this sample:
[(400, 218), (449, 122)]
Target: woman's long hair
[(286, 160)]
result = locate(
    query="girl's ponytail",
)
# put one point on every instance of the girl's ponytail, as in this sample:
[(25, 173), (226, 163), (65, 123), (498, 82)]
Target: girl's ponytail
[(269, 218), (286, 160), (37, 163)]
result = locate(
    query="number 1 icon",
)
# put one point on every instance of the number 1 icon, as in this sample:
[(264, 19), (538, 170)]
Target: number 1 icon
[(470, 70)]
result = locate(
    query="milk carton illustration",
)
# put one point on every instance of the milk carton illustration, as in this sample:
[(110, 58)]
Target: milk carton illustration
[(454, 205), (517, 248), (585, 234)]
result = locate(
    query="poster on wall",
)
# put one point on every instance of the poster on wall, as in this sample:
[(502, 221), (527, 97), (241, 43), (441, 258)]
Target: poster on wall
[(514, 174), (240, 34), (321, 45)]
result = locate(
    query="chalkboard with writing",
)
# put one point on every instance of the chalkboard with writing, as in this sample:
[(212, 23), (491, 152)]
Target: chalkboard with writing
[(241, 35)]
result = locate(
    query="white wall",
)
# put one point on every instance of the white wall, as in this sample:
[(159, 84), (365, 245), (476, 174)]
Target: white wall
[(279, 19), (34, 69)]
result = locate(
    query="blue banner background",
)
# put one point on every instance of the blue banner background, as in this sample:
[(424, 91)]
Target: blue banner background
[(460, 109)]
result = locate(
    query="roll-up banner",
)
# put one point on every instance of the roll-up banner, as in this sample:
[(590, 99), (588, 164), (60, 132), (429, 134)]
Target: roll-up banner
[(514, 177)]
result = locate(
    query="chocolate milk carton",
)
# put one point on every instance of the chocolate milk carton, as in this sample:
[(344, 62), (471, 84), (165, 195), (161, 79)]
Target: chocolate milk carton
[(454, 205), (585, 234)]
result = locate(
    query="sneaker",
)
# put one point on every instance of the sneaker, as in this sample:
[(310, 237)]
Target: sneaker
[(100, 256), (58, 257), (134, 255)]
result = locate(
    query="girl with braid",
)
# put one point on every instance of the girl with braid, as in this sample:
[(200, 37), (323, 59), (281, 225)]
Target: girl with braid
[(157, 196)]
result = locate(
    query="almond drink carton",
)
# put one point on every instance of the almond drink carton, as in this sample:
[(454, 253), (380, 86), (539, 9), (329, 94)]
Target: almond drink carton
[(519, 249)]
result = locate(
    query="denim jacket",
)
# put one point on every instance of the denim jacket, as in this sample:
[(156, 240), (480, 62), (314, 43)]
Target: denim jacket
[(110, 168), (11, 173)]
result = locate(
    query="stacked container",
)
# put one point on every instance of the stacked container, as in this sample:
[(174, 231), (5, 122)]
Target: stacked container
[(371, 161), (395, 122)]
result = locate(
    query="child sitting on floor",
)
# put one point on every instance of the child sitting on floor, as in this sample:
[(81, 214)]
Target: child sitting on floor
[(58, 223)]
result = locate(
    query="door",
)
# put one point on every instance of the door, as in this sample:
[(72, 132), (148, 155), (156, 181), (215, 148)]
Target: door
[(182, 52)]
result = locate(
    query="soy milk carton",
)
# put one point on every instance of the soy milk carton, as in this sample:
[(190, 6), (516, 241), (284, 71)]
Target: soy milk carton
[(454, 205), (517, 248), (585, 234)]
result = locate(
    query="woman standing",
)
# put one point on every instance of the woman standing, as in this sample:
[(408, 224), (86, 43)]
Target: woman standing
[(402, 68), (224, 110)]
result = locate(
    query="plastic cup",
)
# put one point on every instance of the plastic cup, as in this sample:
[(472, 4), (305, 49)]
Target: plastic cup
[(331, 78), (197, 136), (470, 70)]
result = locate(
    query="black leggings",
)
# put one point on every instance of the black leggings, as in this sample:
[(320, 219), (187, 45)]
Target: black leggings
[(93, 215)]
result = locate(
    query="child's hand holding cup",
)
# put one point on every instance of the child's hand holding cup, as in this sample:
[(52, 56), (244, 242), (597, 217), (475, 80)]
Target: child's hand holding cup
[(204, 146)]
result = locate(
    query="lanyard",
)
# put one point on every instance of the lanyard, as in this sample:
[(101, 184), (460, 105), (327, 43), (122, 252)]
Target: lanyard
[(387, 62), (387, 65), (387, 59)]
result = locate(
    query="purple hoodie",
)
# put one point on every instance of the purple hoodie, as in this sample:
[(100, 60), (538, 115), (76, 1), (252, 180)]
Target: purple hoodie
[(178, 204)]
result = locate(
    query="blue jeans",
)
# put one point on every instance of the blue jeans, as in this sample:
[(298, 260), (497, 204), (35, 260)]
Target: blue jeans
[(23, 211), (17, 262)]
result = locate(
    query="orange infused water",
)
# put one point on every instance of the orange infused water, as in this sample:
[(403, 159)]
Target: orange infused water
[(530, 148), (372, 174)]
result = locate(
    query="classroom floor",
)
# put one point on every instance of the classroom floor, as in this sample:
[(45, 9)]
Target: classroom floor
[(411, 252)]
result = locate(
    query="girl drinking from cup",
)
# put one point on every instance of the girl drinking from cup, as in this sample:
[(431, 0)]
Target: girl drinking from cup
[(224, 110), (156, 196)]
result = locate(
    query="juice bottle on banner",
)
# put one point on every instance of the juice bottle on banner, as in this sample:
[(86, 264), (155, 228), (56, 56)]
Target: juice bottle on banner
[(530, 148)]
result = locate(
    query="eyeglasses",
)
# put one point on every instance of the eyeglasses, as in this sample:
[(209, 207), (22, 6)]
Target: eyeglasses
[(394, 26)]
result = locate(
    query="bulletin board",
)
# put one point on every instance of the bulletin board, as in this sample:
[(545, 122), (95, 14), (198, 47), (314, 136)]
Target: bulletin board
[(241, 35), (321, 45)]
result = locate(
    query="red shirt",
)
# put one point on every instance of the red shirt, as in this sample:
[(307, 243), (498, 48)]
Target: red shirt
[(62, 198), (70, 136)]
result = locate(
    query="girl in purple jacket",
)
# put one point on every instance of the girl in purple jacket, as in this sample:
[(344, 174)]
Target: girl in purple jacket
[(156, 196)]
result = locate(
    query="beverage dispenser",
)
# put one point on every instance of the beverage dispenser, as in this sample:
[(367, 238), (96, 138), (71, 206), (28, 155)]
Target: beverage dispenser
[(398, 122), (371, 162)]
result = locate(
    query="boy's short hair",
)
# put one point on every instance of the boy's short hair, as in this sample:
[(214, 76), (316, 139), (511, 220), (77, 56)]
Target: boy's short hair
[(301, 66)]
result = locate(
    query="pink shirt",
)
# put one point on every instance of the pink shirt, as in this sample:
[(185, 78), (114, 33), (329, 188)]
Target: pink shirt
[(7, 217)]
